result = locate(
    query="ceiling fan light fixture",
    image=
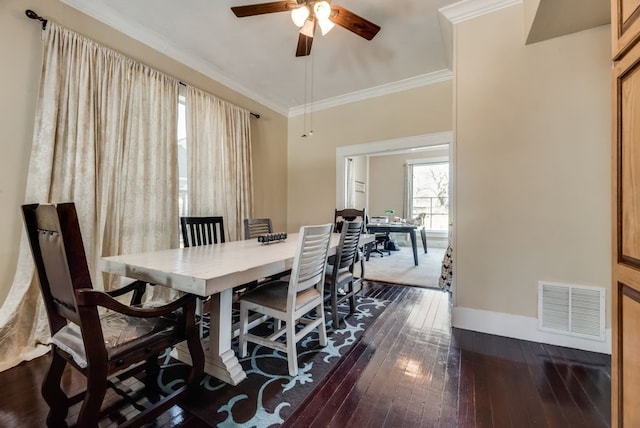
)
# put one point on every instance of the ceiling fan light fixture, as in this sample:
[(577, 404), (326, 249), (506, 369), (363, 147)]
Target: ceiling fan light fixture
[(325, 25), (322, 10), (307, 28), (299, 15)]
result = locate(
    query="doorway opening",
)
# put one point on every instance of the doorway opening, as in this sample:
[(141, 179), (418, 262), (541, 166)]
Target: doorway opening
[(386, 183)]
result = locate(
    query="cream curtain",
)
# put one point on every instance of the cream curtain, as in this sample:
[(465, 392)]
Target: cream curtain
[(218, 160), (105, 137)]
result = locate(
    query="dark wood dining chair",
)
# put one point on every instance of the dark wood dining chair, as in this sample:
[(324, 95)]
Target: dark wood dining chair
[(122, 340), (291, 300), (353, 214), (348, 214), (198, 231), (340, 283), (209, 230), (202, 230), (254, 227)]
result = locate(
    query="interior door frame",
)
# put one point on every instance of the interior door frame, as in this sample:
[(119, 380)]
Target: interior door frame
[(390, 146), (399, 144)]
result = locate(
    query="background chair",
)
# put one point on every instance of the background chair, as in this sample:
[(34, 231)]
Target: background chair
[(198, 231), (353, 214), (290, 301), (339, 281), (254, 227), (381, 240), (348, 214), (202, 230), (123, 340)]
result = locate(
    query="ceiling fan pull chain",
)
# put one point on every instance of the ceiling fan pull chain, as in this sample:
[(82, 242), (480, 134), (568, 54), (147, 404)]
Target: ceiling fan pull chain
[(311, 101)]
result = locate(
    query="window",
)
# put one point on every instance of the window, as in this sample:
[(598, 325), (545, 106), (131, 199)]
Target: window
[(183, 199), (429, 194)]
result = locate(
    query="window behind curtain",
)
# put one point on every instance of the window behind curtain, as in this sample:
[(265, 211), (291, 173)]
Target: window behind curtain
[(183, 198)]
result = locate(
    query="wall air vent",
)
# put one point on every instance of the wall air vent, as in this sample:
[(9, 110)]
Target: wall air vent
[(576, 310)]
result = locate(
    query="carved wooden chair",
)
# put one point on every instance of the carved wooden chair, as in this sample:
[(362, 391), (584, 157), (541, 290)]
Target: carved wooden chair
[(340, 283), (289, 301), (254, 227), (94, 332), (202, 230)]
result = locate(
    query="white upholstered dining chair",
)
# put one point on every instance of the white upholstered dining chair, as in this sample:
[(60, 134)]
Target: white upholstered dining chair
[(289, 301)]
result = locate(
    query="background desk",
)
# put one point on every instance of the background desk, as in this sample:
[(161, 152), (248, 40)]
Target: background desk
[(402, 228)]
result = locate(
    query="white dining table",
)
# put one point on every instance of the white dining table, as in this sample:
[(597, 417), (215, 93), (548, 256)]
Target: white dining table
[(213, 270)]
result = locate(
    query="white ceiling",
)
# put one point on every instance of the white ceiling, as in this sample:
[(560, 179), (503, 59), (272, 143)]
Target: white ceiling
[(256, 55)]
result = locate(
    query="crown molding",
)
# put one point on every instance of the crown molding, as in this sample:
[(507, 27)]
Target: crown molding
[(165, 46), (376, 91), (469, 9), (457, 12)]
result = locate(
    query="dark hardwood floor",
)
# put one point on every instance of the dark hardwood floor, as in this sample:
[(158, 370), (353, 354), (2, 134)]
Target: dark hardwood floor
[(410, 369)]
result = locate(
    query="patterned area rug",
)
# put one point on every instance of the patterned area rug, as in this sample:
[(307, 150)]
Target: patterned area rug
[(269, 394)]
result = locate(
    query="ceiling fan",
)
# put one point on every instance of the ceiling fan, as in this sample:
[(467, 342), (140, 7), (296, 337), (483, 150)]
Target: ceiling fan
[(308, 14)]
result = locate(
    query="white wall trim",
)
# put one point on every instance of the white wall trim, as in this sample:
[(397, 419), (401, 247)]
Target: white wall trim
[(376, 91), (524, 328), (469, 9), (164, 44), (422, 161)]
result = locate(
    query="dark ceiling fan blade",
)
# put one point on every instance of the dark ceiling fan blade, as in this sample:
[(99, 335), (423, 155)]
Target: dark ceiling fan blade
[(354, 23), (262, 8), (304, 45)]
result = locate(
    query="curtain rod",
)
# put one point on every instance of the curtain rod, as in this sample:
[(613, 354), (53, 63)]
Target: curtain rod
[(32, 15), (256, 115)]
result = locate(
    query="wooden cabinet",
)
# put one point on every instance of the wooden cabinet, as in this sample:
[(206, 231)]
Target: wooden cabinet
[(625, 376), (625, 25)]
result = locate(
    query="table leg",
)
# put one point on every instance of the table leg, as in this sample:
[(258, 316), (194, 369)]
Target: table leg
[(414, 244), (220, 360), (423, 235)]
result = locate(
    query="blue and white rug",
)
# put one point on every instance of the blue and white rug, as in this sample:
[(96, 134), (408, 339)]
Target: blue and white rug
[(269, 395)]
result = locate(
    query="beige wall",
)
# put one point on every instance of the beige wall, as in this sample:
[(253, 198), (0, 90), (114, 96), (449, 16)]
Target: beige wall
[(20, 50), (532, 145), (312, 160), (532, 148)]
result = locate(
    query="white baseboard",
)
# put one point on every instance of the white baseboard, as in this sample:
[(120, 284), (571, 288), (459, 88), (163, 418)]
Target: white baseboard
[(524, 328)]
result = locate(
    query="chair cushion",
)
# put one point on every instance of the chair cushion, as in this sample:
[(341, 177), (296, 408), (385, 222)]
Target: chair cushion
[(274, 295), (121, 334)]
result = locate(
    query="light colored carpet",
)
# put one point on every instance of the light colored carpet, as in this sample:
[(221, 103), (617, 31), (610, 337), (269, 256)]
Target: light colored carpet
[(398, 268)]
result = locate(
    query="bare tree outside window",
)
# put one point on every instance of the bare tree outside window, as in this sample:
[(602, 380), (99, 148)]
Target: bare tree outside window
[(430, 199)]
